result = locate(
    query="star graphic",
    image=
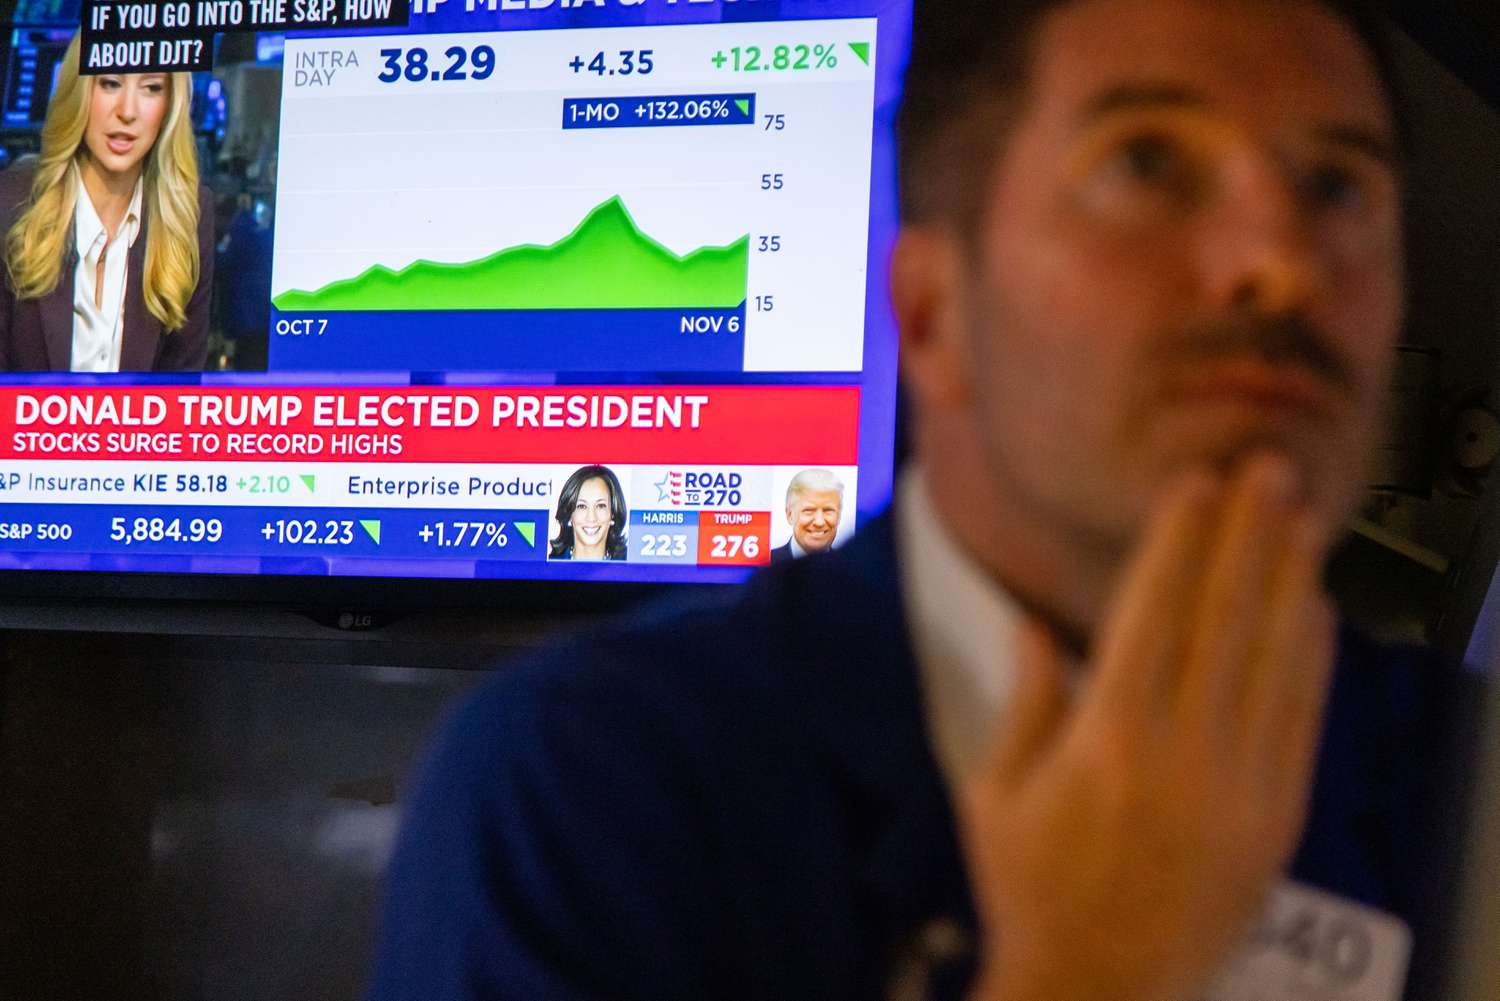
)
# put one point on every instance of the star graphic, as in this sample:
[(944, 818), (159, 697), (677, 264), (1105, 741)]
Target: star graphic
[(663, 489)]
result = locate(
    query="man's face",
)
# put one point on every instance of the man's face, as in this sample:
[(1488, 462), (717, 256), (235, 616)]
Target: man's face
[(1191, 249), (814, 517)]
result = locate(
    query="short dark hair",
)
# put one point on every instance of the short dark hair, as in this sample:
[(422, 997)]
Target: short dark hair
[(967, 80)]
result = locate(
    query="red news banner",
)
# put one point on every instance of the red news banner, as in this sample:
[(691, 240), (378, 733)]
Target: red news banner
[(719, 425)]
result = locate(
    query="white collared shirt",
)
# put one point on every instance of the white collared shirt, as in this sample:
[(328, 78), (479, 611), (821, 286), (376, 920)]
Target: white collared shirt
[(963, 628), (98, 330)]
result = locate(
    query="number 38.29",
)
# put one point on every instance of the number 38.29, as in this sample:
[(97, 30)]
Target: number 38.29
[(411, 64)]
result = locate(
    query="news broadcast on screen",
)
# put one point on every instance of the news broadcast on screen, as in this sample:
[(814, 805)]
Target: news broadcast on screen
[(521, 289)]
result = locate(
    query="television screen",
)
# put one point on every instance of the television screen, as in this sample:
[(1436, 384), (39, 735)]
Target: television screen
[(63, 12), (35, 61), (523, 290)]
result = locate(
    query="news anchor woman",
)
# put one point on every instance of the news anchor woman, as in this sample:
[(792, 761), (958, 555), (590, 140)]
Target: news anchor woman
[(108, 234)]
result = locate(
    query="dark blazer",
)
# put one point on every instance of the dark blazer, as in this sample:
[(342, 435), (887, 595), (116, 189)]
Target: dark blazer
[(733, 798), (36, 335), (782, 553)]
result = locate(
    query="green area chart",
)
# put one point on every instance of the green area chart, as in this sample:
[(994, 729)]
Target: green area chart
[(606, 263)]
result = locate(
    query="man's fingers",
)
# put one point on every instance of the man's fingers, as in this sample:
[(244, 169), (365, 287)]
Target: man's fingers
[(1287, 684), (1038, 706), (1306, 705), (1146, 631), (1237, 591)]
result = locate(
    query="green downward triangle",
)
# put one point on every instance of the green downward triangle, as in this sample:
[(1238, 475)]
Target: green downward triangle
[(528, 531), (861, 49), (372, 529), (311, 482), (743, 105)]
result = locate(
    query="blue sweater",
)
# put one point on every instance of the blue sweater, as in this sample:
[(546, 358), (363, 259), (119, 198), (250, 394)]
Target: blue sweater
[(734, 797)]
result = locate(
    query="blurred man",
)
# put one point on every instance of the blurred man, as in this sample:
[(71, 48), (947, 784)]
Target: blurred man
[(1057, 727), (814, 502)]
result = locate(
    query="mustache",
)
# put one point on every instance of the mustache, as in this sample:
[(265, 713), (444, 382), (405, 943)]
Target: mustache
[(1279, 341)]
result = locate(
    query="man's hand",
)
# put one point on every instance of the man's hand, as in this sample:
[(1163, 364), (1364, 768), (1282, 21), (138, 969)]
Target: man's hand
[(1121, 844)]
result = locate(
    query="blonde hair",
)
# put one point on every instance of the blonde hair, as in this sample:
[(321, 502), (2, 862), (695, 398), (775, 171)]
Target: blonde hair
[(36, 245)]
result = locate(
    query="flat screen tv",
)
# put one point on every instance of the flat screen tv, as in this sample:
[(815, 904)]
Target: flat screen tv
[(521, 291), (35, 57)]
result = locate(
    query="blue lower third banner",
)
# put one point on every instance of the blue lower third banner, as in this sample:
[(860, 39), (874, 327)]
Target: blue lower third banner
[(388, 533), (542, 340)]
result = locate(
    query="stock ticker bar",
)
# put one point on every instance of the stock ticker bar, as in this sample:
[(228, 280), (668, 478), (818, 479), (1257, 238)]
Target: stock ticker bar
[(690, 538)]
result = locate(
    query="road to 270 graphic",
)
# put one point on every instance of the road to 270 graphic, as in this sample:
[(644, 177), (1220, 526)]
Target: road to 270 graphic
[(688, 198)]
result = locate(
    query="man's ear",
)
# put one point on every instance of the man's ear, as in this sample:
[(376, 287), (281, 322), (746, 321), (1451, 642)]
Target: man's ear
[(927, 293)]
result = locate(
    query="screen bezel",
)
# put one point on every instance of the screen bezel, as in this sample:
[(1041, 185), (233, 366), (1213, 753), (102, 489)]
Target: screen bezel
[(323, 593)]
